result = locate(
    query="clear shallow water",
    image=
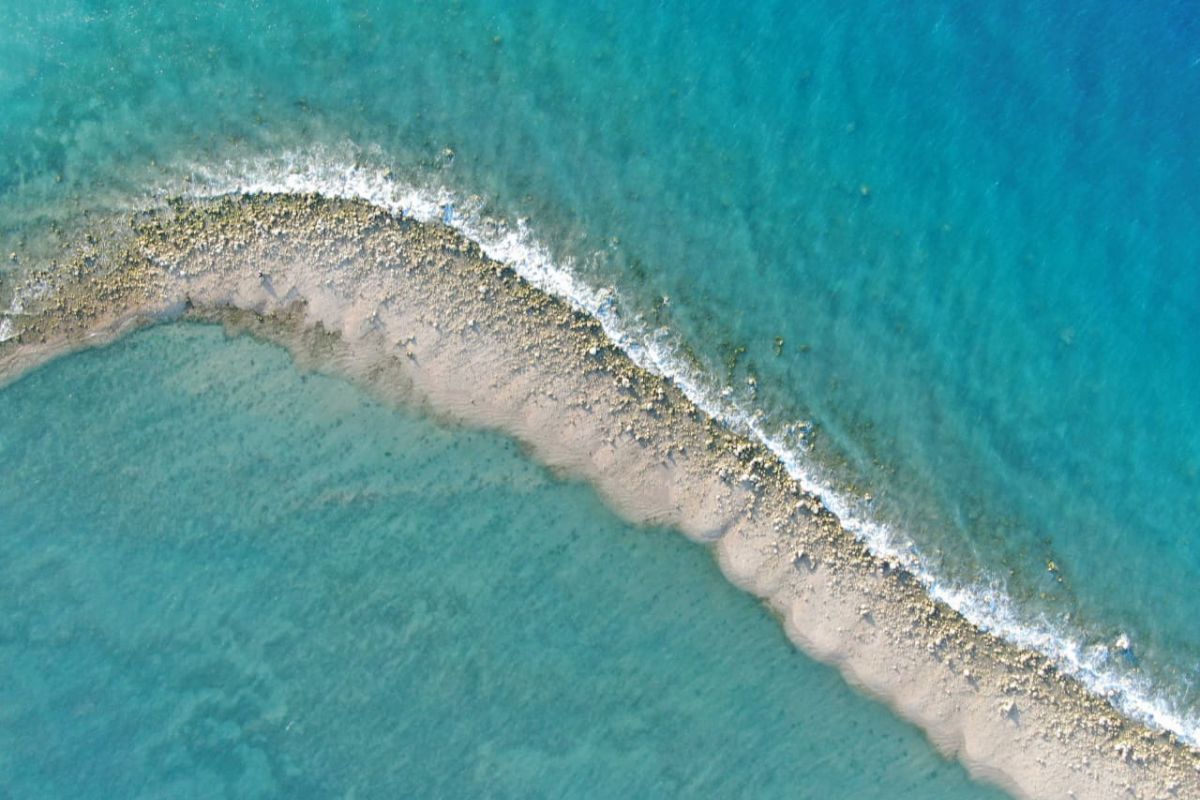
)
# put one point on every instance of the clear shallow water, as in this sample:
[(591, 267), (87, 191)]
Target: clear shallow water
[(226, 577), (974, 232)]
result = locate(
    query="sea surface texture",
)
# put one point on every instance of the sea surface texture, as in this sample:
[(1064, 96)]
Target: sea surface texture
[(945, 254), (226, 577)]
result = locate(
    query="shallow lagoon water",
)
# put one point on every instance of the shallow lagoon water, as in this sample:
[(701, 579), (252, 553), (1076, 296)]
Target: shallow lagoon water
[(224, 576)]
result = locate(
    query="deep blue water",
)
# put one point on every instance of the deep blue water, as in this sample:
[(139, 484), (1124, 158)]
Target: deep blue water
[(225, 577), (962, 241)]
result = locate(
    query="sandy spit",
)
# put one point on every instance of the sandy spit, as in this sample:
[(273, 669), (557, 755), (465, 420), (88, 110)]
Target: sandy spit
[(416, 314)]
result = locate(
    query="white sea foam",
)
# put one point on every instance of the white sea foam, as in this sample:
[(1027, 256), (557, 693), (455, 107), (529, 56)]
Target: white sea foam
[(988, 606)]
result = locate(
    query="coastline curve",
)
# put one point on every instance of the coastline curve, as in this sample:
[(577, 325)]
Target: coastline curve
[(418, 313)]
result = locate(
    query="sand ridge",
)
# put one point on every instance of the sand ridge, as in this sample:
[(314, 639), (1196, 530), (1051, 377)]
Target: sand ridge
[(417, 314)]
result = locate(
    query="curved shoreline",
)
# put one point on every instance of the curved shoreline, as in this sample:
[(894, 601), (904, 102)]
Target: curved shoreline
[(417, 313), (350, 173)]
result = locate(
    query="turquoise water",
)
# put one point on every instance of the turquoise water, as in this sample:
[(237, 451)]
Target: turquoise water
[(961, 241), (225, 577)]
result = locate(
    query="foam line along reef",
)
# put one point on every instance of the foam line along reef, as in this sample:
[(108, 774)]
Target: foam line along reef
[(418, 313), (350, 172)]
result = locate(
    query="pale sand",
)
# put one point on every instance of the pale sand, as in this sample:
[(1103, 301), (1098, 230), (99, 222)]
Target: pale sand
[(416, 314)]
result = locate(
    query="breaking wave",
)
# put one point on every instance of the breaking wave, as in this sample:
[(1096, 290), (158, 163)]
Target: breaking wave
[(986, 605)]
